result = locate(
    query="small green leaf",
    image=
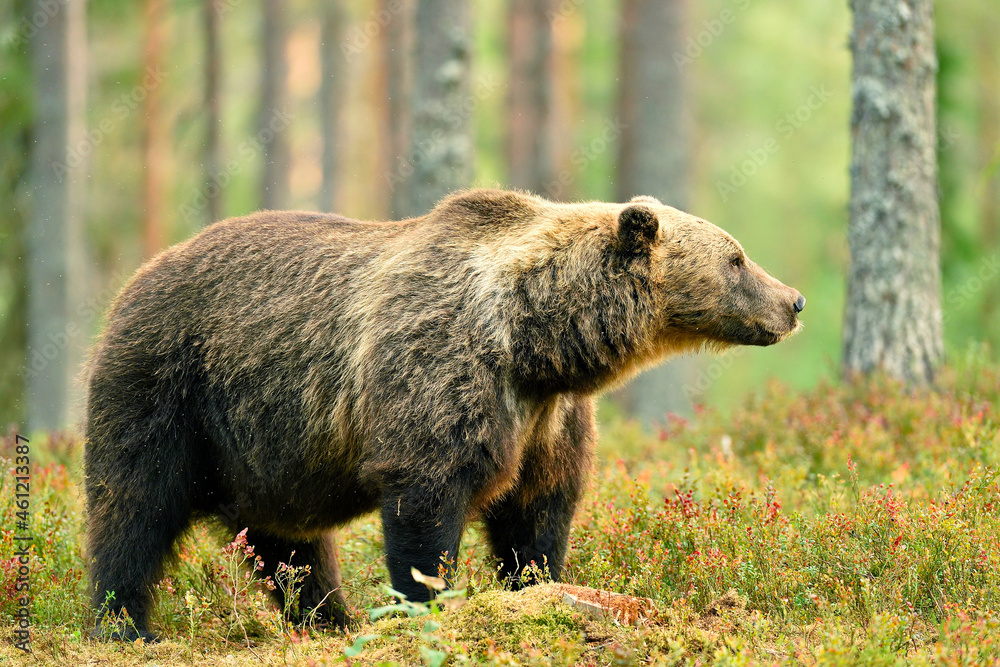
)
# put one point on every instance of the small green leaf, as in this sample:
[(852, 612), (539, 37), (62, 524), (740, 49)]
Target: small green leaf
[(379, 612), (433, 658), (393, 592), (450, 594), (358, 646), (414, 609)]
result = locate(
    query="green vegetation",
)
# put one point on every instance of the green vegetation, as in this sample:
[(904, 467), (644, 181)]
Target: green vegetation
[(849, 524)]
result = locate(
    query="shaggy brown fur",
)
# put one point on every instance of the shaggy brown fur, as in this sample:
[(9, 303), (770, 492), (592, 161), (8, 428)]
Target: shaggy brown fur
[(291, 371)]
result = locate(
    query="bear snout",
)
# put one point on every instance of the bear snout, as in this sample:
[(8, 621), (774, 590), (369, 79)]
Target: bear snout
[(799, 304)]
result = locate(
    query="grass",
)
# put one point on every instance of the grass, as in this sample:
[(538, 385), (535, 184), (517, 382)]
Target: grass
[(855, 523)]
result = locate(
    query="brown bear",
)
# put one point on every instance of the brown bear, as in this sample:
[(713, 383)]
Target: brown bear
[(290, 371)]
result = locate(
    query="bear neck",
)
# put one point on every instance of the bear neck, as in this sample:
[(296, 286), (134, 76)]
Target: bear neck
[(577, 329)]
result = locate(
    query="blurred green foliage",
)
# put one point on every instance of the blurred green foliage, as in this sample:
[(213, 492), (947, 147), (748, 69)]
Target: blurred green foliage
[(770, 95)]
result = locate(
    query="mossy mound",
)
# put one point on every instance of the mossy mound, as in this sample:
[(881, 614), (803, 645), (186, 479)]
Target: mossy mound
[(535, 626)]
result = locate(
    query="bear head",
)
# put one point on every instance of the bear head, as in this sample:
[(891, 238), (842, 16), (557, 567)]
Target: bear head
[(704, 286)]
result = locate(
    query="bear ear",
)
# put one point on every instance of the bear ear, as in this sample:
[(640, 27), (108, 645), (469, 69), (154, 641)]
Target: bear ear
[(645, 199), (637, 229)]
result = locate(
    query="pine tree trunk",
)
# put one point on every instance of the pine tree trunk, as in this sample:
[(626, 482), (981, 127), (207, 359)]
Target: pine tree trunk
[(441, 104), (654, 152), (529, 48), (396, 44), (55, 234), (565, 107), (154, 134), (15, 147), (988, 102), (654, 159), (271, 129), (213, 114), (893, 316), (330, 92)]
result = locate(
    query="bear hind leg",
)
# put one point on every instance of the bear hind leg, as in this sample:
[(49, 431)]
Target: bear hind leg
[(129, 542), (534, 533), (531, 524)]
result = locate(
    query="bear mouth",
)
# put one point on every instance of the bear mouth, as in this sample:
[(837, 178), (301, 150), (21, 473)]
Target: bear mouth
[(735, 330), (787, 333), (764, 336)]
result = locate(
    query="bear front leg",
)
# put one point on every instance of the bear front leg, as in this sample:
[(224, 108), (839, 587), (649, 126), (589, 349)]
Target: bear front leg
[(420, 524)]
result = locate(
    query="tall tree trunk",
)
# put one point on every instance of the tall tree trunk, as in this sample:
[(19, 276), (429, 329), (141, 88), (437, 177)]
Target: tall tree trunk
[(213, 115), (55, 235), (893, 315), (154, 134), (274, 99), (654, 153), (15, 147), (331, 91), (988, 98), (565, 106), (441, 106), (529, 102), (654, 159), (396, 43)]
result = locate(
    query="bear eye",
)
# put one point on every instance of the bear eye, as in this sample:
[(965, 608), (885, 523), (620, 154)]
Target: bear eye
[(736, 262)]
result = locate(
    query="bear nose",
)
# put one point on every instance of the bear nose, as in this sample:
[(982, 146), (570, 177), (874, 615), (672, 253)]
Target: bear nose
[(799, 304)]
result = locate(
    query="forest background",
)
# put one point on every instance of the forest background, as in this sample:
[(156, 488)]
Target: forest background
[(766, 102)]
